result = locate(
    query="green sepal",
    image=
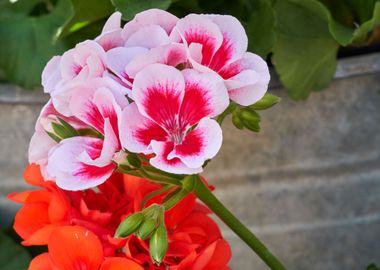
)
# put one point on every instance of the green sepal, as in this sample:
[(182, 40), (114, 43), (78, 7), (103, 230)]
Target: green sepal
[(266, 102), (134, 160), (238, 123)]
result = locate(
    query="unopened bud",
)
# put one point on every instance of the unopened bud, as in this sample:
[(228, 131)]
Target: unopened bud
[(146, 229), (129, 225), (158, 245)]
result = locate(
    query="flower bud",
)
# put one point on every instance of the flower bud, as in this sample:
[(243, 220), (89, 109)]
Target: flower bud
[(266, 102), (129, 225), (146, 229), (237, 121), (158, 245)]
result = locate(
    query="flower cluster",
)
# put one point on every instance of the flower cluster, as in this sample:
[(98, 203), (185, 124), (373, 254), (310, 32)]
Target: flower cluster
[(78, 227), (152, 87)]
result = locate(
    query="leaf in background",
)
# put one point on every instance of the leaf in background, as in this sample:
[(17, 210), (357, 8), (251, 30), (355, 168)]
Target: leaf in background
[(129, 8), (28, 43), (12, 255), (360, 35), (17, 9), (260, 27), (305, 52), (84, 14), (362, 8)]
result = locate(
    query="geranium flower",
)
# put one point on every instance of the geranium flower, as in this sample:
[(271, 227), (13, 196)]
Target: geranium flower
[(171, 117), (218, 43), (41, 143), (86, 60), (59, 219)]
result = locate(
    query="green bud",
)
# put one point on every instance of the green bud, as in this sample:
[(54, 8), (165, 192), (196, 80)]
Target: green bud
[(134, 160), (237, 121), (250, 116), (266, 102), (129, 225), (253, 126), (158, 245), (146, 229)]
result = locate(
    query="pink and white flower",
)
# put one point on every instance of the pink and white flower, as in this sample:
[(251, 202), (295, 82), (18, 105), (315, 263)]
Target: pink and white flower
[(171, 117), (41, 143), (83, 162), (86, 60), (218, 43), (88, 161)]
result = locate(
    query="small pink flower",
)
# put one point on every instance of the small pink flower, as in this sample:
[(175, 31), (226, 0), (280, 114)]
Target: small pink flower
[(171, 117), (149, 29), (41, 142), (86, 60), (219, 43), (83, 162)]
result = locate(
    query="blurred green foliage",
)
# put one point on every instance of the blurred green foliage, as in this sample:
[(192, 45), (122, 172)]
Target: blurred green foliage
[(302, 36)]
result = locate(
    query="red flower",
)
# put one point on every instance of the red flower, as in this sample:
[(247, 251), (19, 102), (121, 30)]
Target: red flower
[(78, 227)]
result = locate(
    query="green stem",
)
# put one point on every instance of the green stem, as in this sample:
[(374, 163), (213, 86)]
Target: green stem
[(206, 196)]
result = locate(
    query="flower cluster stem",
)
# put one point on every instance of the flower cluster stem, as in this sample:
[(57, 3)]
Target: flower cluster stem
[(206, 196)]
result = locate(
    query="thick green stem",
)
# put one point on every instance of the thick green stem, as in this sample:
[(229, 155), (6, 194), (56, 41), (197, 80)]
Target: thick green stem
[(206, 196)]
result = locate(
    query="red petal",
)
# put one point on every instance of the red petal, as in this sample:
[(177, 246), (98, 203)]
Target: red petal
[(120, 264), (41, 262), (75, 248)]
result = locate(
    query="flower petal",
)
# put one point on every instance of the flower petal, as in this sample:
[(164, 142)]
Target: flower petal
[(205, 95), (41, 262), (74, 247), (119, 58), (158, 91), (148, 37), (51, 74), (173, 165), (113, 22), (96, 100), (171, 55), (198, 29), (137, 131), (120, 264), (247, 79), (234, 43), (199, 145), (150, 17)]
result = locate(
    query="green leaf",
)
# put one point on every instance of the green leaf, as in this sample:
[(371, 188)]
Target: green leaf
[(360, 35), (372, 266), (260, 27), (129, 8), (12, 255), (28, 43), (363, 9), (266, 102), (305, 52), (17, 9), (84, 15)]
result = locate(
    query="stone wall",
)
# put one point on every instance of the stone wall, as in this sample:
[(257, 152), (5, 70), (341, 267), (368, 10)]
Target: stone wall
[(308, 184)]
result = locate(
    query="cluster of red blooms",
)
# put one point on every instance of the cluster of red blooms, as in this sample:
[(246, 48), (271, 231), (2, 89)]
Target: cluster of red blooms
[(78, 227)]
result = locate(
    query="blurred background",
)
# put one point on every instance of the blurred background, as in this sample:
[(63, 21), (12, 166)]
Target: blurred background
[(307, 181)]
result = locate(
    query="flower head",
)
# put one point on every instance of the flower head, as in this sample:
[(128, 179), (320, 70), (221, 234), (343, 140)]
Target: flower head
[(171, 117)]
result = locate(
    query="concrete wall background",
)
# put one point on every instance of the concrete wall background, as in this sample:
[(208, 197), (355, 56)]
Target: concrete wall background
[(308, 184)]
